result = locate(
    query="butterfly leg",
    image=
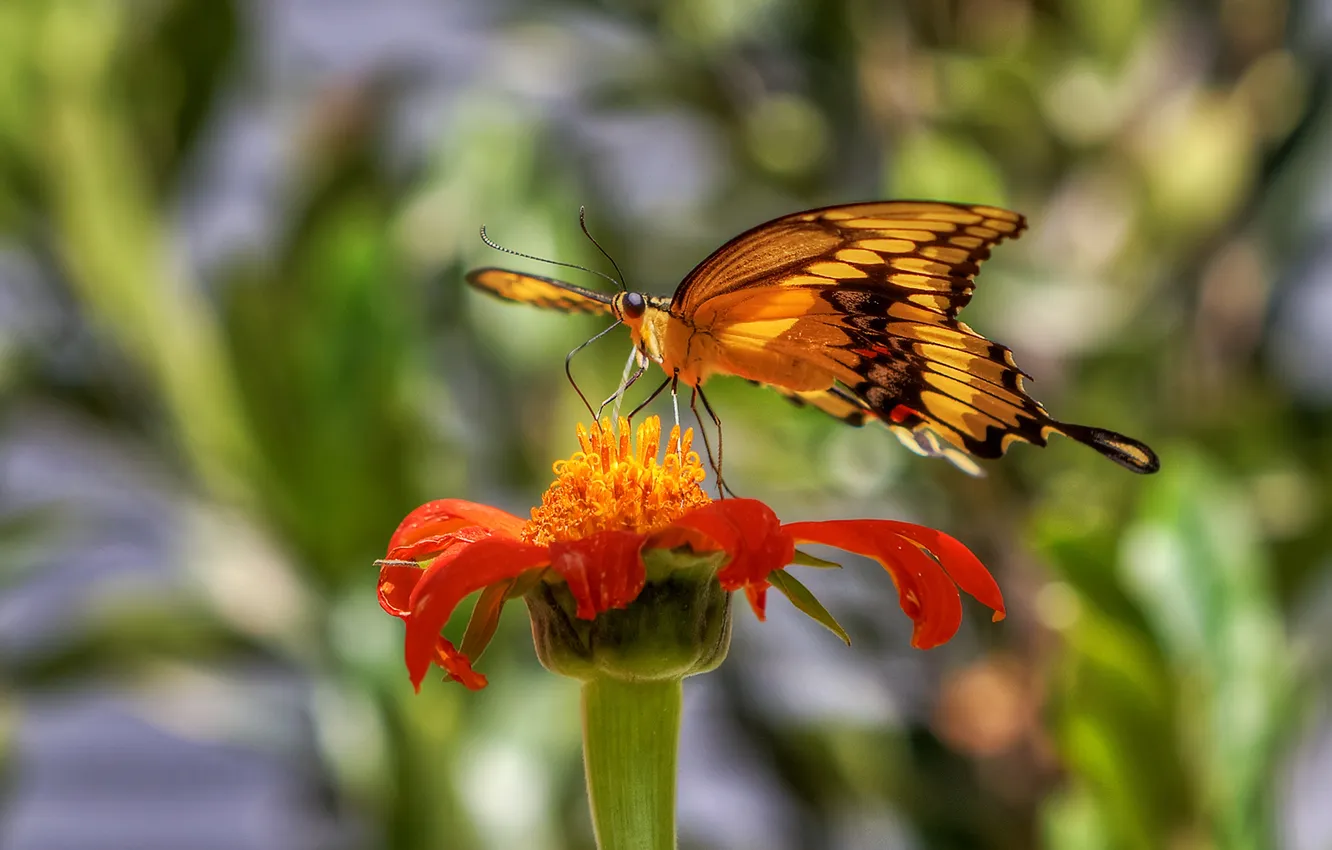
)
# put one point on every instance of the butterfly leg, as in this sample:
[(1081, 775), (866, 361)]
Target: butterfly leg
[(649, 399), (675, 405), (675, 397), (568, 366), (722, 487)]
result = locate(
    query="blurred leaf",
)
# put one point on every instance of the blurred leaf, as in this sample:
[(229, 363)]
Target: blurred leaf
[(1073, 818), (1115, 726), (1194, 562), (116, 642), (424, 808), (786, 134), (1108, 29), (177, 59), (20, 94), (1199, 164), (932, 164), (323, 347), (113, 241), (23, 535)]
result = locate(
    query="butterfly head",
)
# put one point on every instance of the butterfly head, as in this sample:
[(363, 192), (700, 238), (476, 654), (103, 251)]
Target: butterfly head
[(646, 317)]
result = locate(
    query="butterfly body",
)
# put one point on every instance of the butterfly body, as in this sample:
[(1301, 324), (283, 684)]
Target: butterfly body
[(853, 310)]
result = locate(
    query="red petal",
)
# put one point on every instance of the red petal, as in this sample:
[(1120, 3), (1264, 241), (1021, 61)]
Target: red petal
[(448, 581), (396, 583), (458, 666), (926, 593), (757, 594), (604, 571), (750, 532), (437, 545), (962, 565), (438, 519)]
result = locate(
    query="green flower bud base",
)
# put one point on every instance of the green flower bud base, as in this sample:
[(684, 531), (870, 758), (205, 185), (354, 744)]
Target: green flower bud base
[(679, 625)]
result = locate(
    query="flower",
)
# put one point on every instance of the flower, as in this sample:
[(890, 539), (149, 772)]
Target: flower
[(612, 509)]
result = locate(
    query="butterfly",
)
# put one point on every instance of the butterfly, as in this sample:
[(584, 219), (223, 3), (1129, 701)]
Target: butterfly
[(852, 310)]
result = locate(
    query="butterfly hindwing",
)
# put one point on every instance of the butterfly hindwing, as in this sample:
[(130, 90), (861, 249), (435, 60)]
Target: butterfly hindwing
[(913, 431), (540, 291), (834, 401)]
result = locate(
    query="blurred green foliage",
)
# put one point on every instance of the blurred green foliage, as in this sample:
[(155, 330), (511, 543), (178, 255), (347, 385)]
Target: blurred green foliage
[(298, 394)]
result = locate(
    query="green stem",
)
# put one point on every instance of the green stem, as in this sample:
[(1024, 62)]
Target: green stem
[(631, 731)]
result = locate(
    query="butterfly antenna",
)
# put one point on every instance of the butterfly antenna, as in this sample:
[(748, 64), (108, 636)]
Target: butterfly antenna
[(568, 367), (582, 222), (486, 239)]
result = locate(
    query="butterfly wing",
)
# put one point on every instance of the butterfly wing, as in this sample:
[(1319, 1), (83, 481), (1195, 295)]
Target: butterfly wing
[(866, 296), (926, 251), (834, 401), (540, 291), (842, 405)]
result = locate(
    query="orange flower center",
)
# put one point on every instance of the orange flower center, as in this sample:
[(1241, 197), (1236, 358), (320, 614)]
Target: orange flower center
[(611, 485)]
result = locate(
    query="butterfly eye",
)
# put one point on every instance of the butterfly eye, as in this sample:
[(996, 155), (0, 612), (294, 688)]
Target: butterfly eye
[(634, 305)]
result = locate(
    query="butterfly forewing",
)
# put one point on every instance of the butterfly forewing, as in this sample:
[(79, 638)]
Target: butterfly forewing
[(924, 252), (540, 291)]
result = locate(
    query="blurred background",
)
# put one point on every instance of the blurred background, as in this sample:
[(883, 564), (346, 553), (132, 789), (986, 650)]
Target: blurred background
[(235, 349)]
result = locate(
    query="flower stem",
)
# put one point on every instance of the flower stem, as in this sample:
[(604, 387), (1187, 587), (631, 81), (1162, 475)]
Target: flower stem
[(631, 731)]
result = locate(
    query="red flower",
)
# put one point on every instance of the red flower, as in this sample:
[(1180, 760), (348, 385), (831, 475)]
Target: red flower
[(610, 505)]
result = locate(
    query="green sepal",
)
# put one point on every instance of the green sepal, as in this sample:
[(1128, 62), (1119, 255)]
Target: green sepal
[(485, 619), (803, 600), (525, 582), (804, 559), (682, 562)]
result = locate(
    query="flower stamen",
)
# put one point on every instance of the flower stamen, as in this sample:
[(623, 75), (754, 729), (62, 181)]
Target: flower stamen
[(611, 485)]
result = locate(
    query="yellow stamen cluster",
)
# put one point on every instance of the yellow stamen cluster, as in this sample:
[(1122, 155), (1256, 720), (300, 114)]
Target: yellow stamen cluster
[(610, 485)]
